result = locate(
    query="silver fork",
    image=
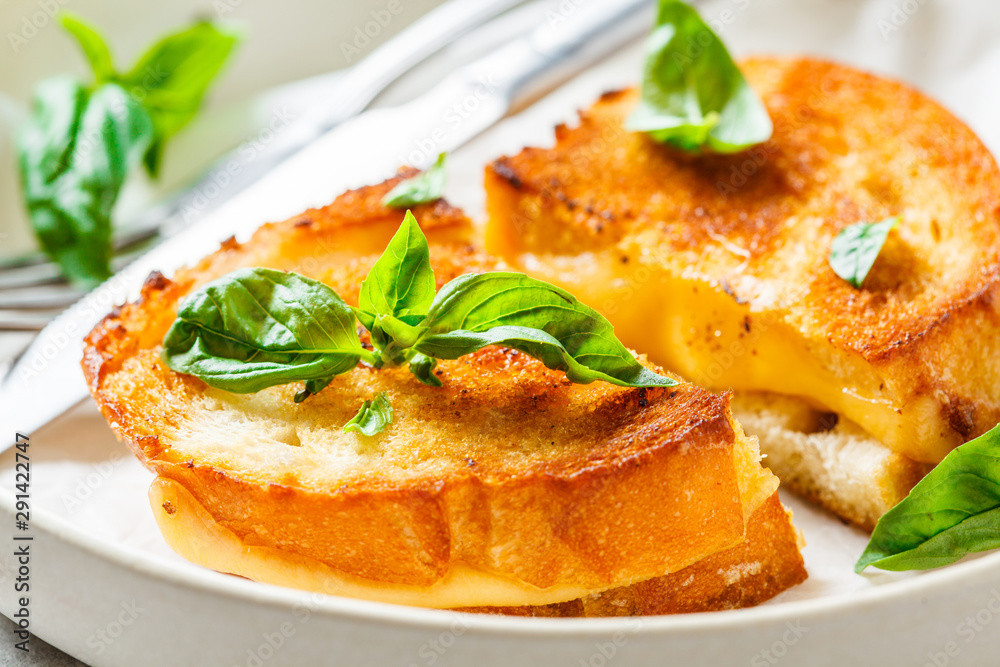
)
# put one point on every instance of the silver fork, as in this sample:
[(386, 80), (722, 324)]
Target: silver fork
[(32, 289)]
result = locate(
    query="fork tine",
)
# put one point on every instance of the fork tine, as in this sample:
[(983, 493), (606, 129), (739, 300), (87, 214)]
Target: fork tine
[(14, 320), (39, 298), (34, 295), (29, 275), (35, 268), (48, 273)]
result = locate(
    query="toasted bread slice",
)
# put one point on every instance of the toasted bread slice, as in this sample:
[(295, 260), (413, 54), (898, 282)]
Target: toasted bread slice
[(716, 266), (742, 576), (507, 487), (828, 459)]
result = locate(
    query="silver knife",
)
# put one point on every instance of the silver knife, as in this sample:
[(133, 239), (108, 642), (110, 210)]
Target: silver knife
[(353, 93), (240, 168), (47, 380)]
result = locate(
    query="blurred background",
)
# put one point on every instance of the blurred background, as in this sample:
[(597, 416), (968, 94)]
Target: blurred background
[(283, 42), (291, 48)]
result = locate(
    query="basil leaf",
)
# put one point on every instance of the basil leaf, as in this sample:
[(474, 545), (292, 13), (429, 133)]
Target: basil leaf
[(93, 45), (255, 328), (856, 247), (171, 79), (423, 367), (952, 512), (539, 319), (425, 187), (74, 153), (693, 94), (373, 417), (401, 283)]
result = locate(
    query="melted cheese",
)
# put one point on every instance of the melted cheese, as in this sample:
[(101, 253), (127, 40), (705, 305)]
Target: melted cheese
[(692, 327), (192, 532)]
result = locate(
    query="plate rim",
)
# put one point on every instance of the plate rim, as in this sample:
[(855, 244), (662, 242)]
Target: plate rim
[(205, 580)]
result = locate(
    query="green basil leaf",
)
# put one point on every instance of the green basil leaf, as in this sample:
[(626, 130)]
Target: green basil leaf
[(255, 328), (693, 94), (952, 512), (539, 319), (401, 283), (74, 154), (172, 77), (397, 291), (425, 187), (856, 247), (423, 367), (93, 45), (373, 417)]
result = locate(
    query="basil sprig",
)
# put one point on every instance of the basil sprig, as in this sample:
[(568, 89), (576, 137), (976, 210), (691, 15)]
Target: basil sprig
[(398, 290), (373, 417), (81, 142), (694, 96), (952, 512), (74, 154), (256, 328), (856, 247), (427, 186)]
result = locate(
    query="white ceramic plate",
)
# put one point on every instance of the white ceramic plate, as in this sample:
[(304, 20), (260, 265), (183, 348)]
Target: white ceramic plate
[(106, 589), (107, 597)]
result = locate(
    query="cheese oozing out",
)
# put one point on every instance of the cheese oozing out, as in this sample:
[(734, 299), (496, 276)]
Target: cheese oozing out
[(692, 327)]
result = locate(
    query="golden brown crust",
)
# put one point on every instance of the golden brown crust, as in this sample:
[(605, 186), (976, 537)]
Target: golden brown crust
[(767, 563), (508, 468), (847, 147)]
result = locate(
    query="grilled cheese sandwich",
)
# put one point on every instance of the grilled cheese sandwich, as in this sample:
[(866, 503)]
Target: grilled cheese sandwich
[(507, 490), (716, 267)]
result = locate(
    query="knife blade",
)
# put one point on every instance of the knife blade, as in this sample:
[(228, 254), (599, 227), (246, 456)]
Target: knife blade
[(47, 380)]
